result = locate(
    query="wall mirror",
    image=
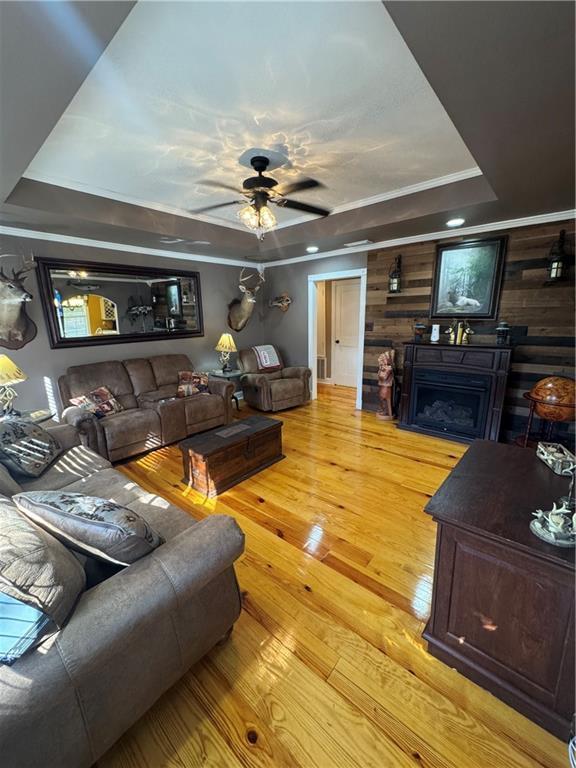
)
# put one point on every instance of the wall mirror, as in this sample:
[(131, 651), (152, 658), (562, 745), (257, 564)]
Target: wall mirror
[(89, 303)]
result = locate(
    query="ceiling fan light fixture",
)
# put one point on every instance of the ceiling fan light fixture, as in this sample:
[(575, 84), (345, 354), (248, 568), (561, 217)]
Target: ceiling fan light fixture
[(259, 221)]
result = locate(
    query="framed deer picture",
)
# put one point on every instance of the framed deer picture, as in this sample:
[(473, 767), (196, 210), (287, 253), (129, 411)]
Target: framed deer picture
[(16, 328), (467, 279)]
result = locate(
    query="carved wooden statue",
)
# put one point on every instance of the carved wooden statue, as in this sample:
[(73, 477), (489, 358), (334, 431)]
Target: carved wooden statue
[(386, 384)]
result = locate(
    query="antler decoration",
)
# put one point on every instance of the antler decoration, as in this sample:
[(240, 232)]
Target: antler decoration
[(17, 274)]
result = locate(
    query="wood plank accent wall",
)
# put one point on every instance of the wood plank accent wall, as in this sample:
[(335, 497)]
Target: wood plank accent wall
[(541, 316)]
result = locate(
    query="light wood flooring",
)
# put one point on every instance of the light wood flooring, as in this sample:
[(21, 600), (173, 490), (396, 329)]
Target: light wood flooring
[(326, 666)]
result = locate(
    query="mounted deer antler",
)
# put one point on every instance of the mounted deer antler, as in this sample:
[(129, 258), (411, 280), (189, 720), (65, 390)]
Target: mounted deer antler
[(240, 310), (16, 328)]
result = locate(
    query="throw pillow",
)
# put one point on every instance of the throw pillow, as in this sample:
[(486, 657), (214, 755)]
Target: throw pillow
[(94, 526), (25, 448), (192, 383), (22, 628), (100, 401), (35, 568)]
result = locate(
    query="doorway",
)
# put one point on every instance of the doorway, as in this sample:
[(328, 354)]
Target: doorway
[(345, 337), (336, 311)]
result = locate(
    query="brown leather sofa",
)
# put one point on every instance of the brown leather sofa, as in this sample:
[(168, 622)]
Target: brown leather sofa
[(284, 388), (150, 419)]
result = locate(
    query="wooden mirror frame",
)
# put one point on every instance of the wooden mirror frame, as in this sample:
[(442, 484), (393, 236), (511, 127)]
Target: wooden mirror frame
[(47, 296)]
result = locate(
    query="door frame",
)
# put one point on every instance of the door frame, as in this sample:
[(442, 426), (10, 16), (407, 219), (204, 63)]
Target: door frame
[(312, 312)]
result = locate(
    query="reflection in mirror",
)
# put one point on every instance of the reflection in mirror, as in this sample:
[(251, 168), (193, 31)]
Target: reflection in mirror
[(103, 304)]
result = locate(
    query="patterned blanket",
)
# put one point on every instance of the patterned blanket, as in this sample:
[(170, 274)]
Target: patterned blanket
[(267, 358)]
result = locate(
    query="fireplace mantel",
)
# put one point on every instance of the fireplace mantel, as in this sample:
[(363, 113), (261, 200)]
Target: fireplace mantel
[(454, 391)]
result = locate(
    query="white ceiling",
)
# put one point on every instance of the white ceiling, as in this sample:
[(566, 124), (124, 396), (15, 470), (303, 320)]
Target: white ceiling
[(185, 87)]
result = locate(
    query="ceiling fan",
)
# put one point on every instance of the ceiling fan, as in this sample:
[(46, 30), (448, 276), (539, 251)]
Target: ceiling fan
[(260, 190)]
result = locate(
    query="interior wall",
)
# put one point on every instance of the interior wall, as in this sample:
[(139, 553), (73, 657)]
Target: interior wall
[(289, 330), (43, 365), (324, 323), (541, 316)]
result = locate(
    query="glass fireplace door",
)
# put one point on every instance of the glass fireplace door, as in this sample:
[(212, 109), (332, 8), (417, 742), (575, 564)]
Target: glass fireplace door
[(450, 402)]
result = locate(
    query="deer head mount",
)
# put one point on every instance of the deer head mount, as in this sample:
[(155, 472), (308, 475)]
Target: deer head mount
[(240, 310), (16, 328), (282, 302)]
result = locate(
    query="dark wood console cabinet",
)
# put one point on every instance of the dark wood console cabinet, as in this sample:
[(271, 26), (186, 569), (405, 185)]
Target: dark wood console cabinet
[(503, 600)]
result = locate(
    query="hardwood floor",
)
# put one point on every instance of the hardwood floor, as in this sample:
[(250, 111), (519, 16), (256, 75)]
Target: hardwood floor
[(326, 666)]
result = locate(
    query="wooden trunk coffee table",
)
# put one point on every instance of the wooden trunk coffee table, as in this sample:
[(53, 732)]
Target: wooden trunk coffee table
[(216, 460)]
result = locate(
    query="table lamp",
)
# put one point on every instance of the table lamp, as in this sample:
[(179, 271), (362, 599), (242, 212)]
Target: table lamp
[(225, 346), (9, 374)]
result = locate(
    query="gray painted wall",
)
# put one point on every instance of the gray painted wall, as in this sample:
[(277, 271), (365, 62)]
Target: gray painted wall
[(219, 285), (289, 330)]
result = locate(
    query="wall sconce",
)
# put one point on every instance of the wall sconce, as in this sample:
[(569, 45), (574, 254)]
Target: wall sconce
[(557, 258), (395, 275)]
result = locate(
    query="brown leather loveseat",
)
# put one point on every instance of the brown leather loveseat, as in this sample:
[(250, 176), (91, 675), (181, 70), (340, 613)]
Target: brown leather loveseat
[(153, 416)]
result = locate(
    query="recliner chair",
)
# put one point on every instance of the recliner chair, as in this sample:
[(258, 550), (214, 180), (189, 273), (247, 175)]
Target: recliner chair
[(275, 389)]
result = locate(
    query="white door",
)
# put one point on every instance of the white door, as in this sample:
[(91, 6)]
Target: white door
[(345, 331)]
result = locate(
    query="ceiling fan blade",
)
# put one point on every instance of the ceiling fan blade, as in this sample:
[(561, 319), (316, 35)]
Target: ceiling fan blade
[(218, 185), (213, 207), (298, 186), (298, 206)]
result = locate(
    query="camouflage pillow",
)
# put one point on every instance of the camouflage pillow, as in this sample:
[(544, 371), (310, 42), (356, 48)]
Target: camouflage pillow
[(35, 568), (25, 448), (192, 383), (97, 527)]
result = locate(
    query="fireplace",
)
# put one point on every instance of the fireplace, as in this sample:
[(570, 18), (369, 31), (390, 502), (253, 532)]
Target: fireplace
[(454, 392), (450, 402)]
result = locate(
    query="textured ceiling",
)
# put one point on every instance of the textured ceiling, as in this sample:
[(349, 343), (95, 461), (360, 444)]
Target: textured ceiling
[(184, 88)]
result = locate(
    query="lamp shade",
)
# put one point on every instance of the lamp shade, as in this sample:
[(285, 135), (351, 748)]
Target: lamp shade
[(9, 372), (225, 344)]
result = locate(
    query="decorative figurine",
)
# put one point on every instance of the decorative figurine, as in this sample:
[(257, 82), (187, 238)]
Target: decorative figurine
[(556, 526), (467, 332), (386, 384), (419, 330), (459, 332)]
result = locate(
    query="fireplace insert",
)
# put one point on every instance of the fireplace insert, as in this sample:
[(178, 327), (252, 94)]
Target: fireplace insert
[(450, 402)]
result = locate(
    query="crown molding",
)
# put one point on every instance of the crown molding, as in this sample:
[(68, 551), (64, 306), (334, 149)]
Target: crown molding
[(411, 189), (109, 246), (544, 218), (106, 194), (492, 226)]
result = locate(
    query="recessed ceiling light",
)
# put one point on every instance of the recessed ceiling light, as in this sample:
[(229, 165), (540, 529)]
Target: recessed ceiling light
[(455, 222), (312, 249), (171, 240)]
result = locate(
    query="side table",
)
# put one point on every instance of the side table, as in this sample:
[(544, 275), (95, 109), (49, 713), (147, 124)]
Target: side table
[(37, 417), (232, 375)]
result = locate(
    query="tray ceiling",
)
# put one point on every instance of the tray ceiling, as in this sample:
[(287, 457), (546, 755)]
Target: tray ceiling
[(184, 88)]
